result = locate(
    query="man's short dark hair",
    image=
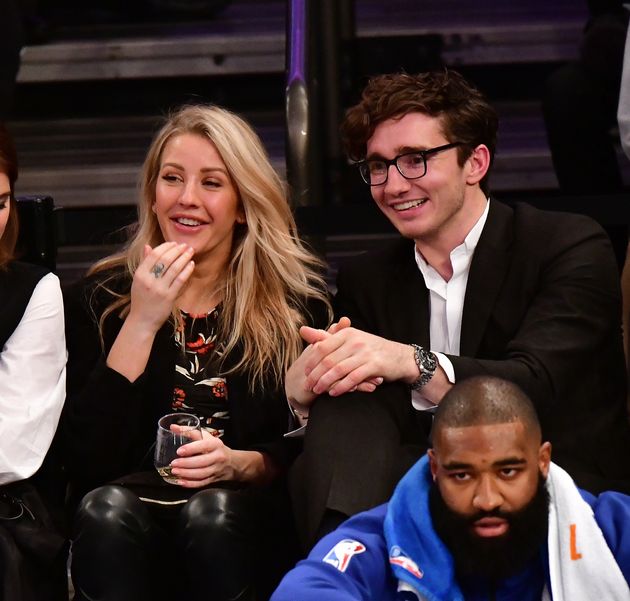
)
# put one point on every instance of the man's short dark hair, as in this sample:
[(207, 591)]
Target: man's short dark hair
[(466, 115), (484, 400)]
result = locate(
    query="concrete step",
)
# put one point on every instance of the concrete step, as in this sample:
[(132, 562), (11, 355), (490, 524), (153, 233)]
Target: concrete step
[(249, 37), (96, 162)]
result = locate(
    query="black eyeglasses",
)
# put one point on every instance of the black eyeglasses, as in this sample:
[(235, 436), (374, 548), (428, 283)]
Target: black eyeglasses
[(411, 165)]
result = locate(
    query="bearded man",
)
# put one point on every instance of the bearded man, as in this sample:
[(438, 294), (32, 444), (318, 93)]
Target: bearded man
[(484, 515)]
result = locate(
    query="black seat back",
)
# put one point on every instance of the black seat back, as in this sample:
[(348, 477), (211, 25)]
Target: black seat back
[(37, 239)]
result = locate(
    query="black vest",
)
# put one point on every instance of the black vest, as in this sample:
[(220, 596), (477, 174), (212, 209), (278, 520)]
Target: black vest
[(16, 288)]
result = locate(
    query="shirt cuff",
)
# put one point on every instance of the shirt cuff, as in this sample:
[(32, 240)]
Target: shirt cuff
[(297, 433), (297, 423), (447, 366)]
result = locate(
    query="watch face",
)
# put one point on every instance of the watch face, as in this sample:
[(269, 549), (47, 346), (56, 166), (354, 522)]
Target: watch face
[(428, 360)]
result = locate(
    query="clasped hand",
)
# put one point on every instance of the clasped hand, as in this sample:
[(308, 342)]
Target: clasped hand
[(347, 359)]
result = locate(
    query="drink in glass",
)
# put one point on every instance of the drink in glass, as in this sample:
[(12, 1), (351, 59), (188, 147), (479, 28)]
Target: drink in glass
[(170, 439)]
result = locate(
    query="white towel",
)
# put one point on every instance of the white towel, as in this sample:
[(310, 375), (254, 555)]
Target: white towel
[(581, 565)]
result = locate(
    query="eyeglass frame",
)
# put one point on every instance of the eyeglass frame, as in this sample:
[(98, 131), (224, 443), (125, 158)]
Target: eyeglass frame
[(389, 162)]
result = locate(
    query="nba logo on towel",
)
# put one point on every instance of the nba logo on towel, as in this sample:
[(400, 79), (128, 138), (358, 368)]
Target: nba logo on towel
[(397, 557), (340, 555)]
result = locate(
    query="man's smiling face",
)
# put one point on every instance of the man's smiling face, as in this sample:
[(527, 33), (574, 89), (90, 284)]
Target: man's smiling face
[(430, 205)]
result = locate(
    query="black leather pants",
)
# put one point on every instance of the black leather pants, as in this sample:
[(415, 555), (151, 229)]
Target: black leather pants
[(207, 551)]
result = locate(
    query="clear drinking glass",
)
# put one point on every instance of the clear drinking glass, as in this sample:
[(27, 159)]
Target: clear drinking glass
[(168, 441)]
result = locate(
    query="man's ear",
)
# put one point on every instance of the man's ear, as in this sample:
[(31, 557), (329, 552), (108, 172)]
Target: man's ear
[(544, 458), (477, 164), (433, 463)]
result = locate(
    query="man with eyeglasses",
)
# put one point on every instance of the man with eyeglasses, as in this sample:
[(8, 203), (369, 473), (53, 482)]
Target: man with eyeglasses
[(472, 287)]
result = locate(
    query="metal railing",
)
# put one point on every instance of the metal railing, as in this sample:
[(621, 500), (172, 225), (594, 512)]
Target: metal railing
[(319, 36), (302, 154)]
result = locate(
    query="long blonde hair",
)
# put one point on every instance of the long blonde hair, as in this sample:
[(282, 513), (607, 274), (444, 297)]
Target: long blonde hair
[(270, 274)]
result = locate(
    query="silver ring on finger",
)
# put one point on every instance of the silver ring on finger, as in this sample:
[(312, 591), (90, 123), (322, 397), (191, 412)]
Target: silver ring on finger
[(157, 270)]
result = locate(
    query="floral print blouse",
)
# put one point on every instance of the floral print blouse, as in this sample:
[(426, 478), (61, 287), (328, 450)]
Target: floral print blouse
[(199, 387)]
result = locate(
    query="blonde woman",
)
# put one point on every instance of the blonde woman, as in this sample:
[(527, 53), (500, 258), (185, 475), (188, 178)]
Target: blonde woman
[(200, 313)]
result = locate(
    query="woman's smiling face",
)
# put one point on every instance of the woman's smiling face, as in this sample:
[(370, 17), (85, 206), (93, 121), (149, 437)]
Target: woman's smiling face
[(196, 201)]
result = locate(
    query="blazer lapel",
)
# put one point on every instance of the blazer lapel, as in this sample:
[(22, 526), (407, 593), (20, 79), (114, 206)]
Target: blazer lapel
[(487, 273), (408, 300)]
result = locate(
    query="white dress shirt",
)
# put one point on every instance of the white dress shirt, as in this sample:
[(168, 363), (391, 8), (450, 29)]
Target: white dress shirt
[(32, 383), (446, 304)]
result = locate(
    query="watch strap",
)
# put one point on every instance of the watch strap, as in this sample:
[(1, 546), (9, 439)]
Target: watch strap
[(427, 363)]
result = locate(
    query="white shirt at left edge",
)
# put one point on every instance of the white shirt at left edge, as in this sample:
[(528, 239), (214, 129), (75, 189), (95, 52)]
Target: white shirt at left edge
[(32, 383)]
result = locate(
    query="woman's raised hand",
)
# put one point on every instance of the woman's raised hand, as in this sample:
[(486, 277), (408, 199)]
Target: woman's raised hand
[(158, 281), (156, 284)]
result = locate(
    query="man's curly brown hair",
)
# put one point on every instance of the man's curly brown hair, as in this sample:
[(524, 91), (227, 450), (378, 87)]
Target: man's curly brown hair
[(466, 115)]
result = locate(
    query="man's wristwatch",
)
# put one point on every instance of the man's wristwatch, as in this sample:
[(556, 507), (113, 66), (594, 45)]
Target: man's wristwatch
[(427, 364)]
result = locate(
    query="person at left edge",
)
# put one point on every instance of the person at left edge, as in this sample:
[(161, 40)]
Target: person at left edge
[(32, 393), (199, 313)]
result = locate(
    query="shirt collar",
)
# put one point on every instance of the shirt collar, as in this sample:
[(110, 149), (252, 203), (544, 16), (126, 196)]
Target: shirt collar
[(470, 241), (467, 246)]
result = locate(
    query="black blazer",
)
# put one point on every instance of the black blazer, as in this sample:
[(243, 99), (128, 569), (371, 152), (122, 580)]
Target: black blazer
[(109, 424), (542, 309)]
